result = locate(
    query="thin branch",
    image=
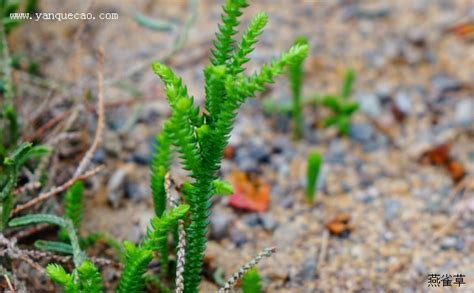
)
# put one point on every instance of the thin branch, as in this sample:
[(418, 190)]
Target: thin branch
[(100, 122), (181, 256), (323, 250), (57, 189), (10, 286), (181, 253), (12, 251), (26, 187), (267, 252)]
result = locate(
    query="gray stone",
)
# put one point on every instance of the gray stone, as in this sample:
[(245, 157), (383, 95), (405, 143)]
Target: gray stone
[(403, 103), (361, 132), (445, 83), (464, 113), (259, 153), (452, 242), (309, 269), (99, 156), (369, 104), (134, 190), (391, 209), (237, 237), (384, 92), (251, 220), (336, 153), (112, 143), (116, 187), (220, 223), (268, 221)]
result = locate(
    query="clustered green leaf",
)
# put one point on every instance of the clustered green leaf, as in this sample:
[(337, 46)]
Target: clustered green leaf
[(201, 136), (340, 105)]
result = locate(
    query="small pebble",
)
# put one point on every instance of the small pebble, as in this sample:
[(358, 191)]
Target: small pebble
[(445, 83), (369, 104), (452, 242), (361, 132), (99, 156), (391, 209), (309, 269), (220, 223), (464, 112), (237, 237), (251, 220), (403, 103), (268, 221), (116, 187)]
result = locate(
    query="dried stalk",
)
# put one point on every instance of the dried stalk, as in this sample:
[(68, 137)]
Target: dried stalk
[(181, 253), (55, 190), (267, 252)]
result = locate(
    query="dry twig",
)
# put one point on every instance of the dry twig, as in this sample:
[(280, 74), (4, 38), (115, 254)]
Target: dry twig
[(180, 255), (9, 283), (57, 189), (267, 252)]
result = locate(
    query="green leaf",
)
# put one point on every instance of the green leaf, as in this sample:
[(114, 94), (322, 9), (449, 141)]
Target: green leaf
[(224, 43), (251, 282), (329, 121), (90, 278), (135, 267), (249, 39), (312, 174), (347, 86), (350, 108), (54, 246), (78, 254), (60, 276), (151, 23), (332, 103), (222, 187), (73, 205)]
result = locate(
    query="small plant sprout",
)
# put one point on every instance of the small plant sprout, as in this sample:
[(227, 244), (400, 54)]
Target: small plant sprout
[(312, 174), (295, 74), (340, 105), (251, 282)]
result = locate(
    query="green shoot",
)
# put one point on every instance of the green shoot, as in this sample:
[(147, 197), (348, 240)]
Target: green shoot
[(251, 282), (295, 74), (312, 174)]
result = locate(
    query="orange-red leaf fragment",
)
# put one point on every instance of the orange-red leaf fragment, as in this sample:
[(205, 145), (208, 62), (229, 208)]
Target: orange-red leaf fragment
[(250, 192)]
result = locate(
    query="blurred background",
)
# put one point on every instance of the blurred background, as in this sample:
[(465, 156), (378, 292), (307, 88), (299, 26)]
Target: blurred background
[(395, 197)]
